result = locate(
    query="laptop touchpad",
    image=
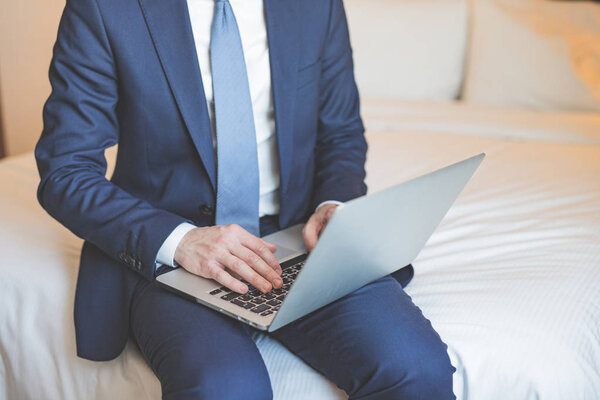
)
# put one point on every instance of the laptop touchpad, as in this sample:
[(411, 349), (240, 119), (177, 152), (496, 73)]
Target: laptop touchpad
[(283, 253)]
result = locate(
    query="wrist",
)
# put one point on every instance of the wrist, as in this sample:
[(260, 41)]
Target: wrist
[(179, 254), (166, 254), (328, 203), (326, 208)]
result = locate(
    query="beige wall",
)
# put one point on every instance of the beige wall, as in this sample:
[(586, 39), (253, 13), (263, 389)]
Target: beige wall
[(27, 34)]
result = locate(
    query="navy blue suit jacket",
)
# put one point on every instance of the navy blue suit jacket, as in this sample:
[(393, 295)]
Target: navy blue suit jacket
[(126, 72)]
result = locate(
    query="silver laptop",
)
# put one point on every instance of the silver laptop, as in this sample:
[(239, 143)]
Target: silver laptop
[(366, 239)]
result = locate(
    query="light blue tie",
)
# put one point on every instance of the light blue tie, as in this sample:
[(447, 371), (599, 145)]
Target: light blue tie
[(237, 159)]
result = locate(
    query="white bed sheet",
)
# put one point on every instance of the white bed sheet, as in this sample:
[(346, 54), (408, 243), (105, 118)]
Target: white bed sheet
[(510, 279)]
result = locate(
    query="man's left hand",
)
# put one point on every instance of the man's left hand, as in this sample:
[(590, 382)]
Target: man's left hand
[(316, 223)]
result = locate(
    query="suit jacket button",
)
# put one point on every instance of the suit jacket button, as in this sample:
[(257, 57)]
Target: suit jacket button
[(206, 210), (138, 265), (122, 256)]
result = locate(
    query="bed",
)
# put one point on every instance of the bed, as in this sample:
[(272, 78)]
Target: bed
[(510, 279)]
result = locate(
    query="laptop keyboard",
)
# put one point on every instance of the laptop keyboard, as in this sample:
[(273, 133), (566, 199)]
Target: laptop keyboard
[(257, 302)]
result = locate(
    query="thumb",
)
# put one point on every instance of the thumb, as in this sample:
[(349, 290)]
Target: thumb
[(311, 233)]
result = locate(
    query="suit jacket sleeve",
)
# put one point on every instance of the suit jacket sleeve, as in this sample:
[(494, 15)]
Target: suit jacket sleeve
[(341, 146), (79, 124)]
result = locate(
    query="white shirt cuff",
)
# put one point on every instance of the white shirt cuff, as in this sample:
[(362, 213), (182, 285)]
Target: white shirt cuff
[(338, 203), (166, 253)]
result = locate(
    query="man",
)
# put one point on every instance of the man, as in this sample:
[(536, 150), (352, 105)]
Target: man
[(234, 119)]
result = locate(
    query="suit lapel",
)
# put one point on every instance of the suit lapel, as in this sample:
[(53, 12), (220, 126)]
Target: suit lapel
[(283, 37), (170, 28)]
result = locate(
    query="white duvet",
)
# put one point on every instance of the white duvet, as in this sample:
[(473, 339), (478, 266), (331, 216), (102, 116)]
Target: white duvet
[(510, 279)]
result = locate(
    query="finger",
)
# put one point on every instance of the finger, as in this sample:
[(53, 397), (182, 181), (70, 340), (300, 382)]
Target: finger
[(237, 265), (328, 214), (263, 248), (310, 232), (260, 247), (272, 246), (258, 265), (224, 278)]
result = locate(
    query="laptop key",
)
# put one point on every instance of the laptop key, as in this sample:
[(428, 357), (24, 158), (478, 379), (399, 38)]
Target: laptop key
[(242, 304), (230, 296), (266, 313), (268, 296), (215, 292), (259, 309), (223, 288), (258, 300), (274, 302)]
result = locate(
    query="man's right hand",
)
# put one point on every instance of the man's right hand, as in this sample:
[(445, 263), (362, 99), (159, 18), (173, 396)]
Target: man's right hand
[(214, 251)]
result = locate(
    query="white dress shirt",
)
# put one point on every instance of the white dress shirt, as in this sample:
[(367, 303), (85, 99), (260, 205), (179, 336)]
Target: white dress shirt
[(253, 32)]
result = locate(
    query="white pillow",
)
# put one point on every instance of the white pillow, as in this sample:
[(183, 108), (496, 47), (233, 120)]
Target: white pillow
[(536, 54), (408, 49)]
